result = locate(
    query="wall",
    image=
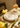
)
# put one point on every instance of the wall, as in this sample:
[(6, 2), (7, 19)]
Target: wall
[(9, 3)]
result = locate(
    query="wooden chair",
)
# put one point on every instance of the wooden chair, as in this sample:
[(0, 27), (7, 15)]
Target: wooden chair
[(2, 6)]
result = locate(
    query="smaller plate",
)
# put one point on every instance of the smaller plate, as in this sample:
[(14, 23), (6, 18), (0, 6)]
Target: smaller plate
[(10, 17)]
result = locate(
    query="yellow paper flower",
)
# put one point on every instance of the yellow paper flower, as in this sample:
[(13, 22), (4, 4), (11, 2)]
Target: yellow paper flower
[(4, 11), (2, 25)]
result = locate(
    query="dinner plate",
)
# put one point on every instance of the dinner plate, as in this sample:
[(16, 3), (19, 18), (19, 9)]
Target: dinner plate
[(10, 17)]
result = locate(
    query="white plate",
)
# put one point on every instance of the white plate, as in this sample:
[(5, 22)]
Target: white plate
[(10, 17)]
